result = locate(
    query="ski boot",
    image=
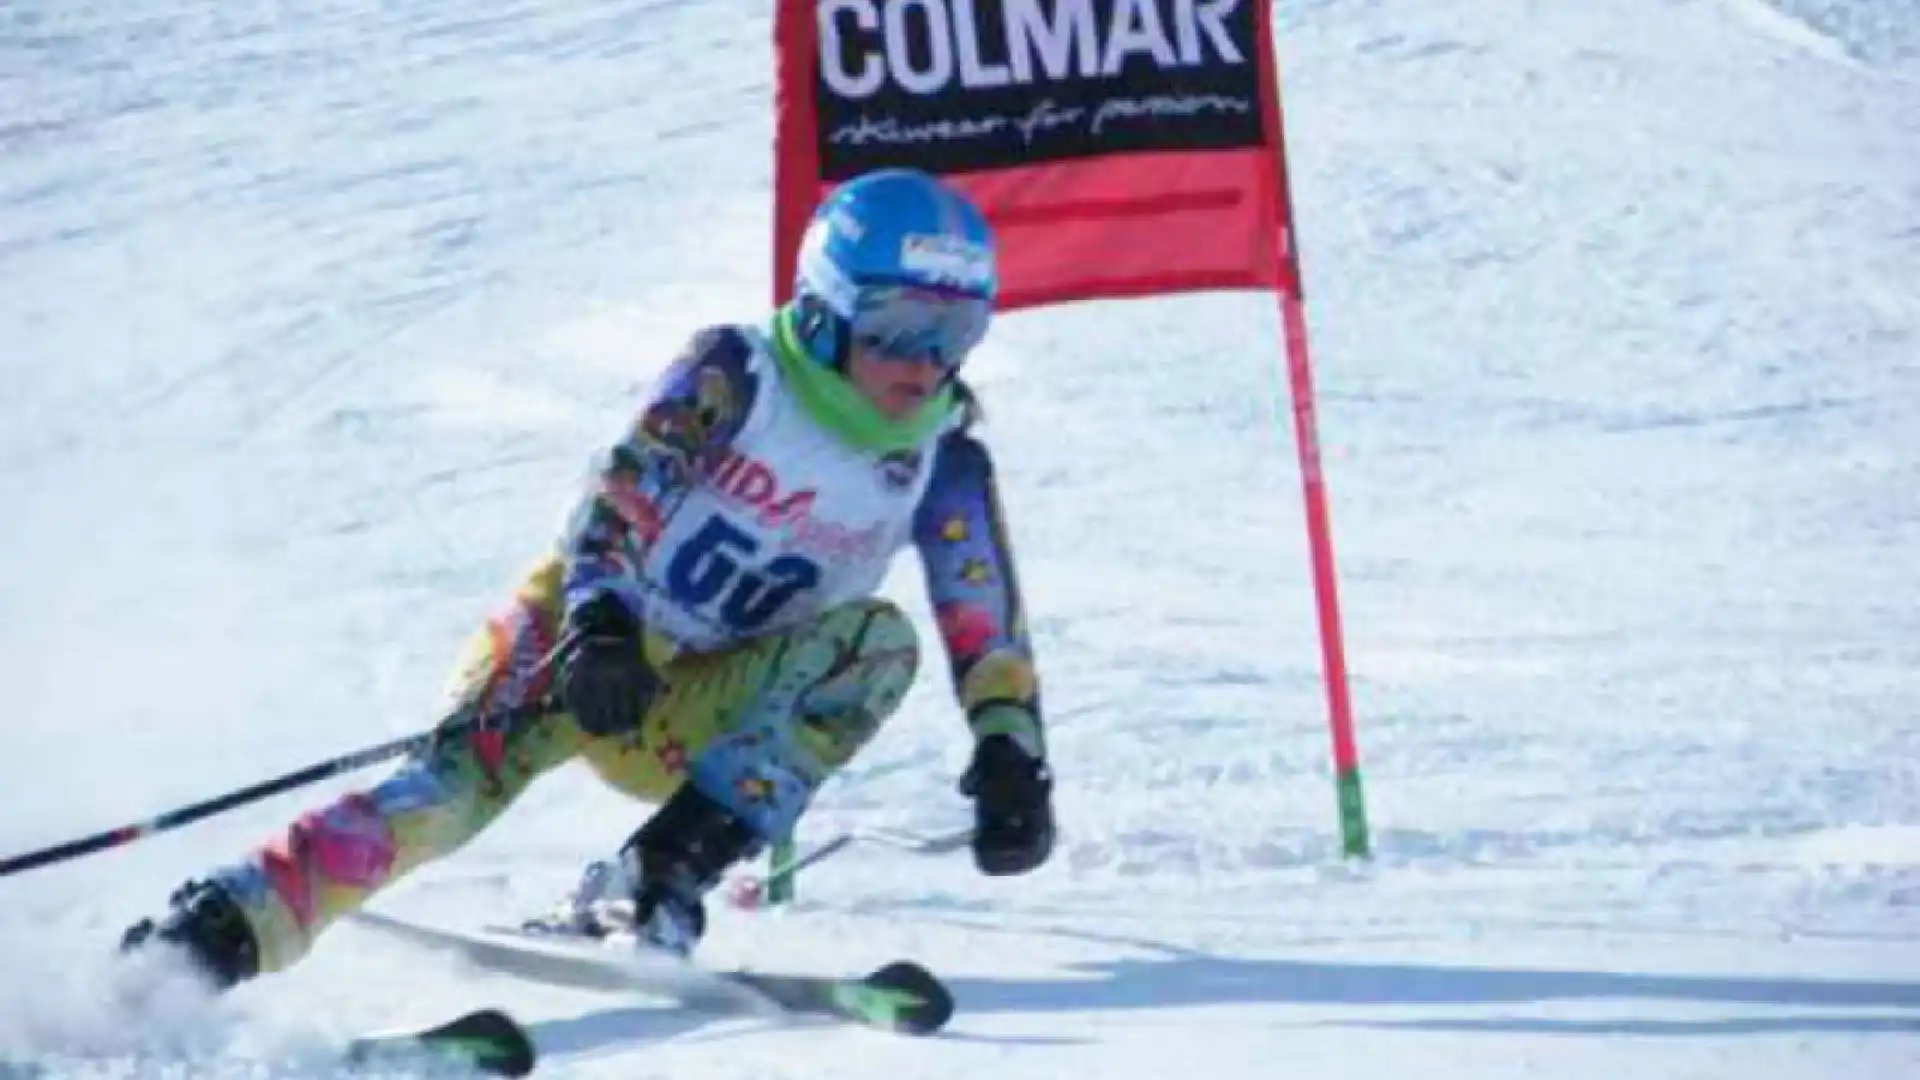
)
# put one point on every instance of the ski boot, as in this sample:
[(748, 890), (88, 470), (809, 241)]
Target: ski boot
[(651, 891), (674, 859), (206, 927), (601, 904)]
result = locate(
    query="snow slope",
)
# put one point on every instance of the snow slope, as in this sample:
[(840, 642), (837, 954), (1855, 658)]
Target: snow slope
[(310, 314)]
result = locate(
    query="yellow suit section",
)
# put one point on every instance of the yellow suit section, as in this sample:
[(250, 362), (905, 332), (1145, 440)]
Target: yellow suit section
[(774, 716)]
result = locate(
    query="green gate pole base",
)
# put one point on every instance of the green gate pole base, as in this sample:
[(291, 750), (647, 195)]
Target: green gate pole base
[(780, 885)]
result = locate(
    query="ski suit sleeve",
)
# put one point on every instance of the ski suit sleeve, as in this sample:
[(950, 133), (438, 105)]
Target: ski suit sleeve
[(962, 540), (692, 415)]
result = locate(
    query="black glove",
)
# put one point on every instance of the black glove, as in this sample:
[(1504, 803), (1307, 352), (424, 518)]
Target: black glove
[(1012, 794), (604, 678)]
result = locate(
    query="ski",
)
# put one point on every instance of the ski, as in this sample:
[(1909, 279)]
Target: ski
[(901, 997), (487, 1042)]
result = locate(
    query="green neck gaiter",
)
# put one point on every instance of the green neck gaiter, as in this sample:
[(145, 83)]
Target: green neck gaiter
[(834, 403)]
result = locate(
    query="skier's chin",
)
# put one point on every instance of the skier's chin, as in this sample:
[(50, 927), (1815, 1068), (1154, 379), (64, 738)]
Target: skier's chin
[(900, 402)]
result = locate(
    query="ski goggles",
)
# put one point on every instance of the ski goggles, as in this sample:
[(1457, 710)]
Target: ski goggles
[(914, 323)]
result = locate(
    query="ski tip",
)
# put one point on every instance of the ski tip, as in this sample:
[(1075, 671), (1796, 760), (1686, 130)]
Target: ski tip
[(487, 1042), (924, 1004)]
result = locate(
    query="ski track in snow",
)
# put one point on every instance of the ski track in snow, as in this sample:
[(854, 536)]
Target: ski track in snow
[(311, 315), (1880, 38)]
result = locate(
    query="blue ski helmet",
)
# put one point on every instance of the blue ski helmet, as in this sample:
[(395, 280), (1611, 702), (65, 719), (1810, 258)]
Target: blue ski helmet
[(898, 262)]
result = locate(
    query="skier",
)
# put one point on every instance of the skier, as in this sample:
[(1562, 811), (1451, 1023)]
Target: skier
[(706, 634)]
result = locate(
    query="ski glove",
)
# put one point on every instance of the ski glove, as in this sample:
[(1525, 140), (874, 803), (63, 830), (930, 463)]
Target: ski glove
[(604, 678), (1012, 794)]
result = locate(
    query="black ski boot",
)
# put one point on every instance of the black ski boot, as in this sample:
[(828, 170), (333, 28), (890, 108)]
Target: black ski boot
[(674, 859), (207, 927)]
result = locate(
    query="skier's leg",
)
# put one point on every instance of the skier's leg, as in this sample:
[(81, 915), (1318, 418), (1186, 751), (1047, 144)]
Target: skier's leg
[(263, 913), (740, 742)]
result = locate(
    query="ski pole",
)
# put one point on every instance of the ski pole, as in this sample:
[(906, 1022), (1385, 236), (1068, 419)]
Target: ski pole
[(751, 892), (312, 774), (918, 843)]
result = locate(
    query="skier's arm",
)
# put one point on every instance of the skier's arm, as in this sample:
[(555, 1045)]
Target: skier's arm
[(969, 566), (694, 413)]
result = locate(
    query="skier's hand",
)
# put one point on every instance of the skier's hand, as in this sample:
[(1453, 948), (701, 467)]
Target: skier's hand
[(604, 679), (1012, 794)]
